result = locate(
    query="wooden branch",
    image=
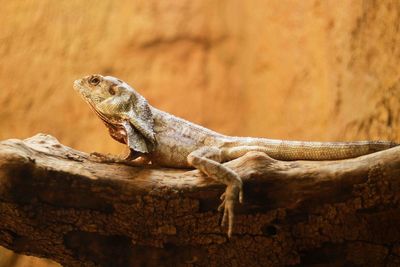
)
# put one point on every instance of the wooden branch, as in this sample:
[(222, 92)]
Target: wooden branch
[(55, 202)]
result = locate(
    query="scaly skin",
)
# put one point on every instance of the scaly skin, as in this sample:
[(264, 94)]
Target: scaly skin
[(163, 139)]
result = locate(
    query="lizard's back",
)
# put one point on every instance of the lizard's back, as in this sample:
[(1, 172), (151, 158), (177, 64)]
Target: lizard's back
[(174, 130), (177, 138)]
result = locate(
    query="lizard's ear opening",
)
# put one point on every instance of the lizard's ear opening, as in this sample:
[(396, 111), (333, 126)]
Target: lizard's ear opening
[(143, 119), (111, 90)]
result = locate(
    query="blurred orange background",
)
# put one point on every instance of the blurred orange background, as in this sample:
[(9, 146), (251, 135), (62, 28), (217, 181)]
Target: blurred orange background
[(285, 69)]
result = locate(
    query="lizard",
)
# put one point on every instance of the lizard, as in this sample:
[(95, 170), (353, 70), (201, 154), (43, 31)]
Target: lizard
[(157, 137)]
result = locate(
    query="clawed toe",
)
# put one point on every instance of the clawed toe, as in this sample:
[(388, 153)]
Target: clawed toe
[(96, 156), (222, 205), (229, 198)]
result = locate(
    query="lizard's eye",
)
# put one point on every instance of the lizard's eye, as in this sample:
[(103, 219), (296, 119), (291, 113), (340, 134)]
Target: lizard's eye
[(94, 81), (111, 90)]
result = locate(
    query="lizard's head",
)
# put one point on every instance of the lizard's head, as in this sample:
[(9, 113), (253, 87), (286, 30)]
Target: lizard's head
[(116, 103), (96, 89)]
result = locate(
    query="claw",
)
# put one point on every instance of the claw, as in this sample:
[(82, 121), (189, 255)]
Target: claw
[(231, 215), (221, 206), (223, 222)]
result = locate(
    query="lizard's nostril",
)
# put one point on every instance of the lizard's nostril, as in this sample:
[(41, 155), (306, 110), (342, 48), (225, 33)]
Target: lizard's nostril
[(77, 83)]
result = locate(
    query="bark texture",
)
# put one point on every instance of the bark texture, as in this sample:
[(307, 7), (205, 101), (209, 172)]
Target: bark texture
[(57, 203)]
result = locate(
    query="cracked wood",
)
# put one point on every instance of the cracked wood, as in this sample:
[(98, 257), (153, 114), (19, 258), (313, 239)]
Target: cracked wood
[(58, 203)]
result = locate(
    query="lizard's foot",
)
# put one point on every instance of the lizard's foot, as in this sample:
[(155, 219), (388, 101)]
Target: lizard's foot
[(232, 194), (208, 160), (108, 158), (100, 157)]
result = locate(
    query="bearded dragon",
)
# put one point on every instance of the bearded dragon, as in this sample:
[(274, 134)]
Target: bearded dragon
[(157, 137)]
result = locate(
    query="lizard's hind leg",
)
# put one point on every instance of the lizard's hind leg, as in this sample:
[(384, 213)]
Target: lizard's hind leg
[(208, 160)]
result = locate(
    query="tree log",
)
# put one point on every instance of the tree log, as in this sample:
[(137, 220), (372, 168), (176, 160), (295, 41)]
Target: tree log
[(59, 203)]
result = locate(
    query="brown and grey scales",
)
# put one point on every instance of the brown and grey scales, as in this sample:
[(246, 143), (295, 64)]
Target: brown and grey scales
[(169, 141), (174, 130)]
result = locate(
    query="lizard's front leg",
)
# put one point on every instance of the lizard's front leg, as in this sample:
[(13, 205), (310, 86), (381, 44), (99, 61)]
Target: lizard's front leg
[(208, 160)]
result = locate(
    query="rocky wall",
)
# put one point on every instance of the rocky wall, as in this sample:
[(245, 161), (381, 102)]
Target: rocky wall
[(307, 70)]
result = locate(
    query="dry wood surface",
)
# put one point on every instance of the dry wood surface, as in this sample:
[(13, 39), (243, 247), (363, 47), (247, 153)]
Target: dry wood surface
[(62, 204)]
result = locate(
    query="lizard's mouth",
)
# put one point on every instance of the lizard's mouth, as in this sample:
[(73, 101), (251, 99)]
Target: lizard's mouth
[(99, 114), (78, 85)]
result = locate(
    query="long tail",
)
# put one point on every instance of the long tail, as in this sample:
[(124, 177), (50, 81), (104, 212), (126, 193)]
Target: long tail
[(297, 150)]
